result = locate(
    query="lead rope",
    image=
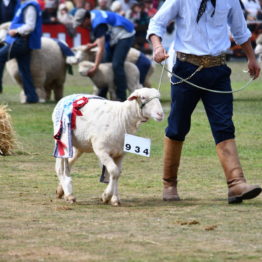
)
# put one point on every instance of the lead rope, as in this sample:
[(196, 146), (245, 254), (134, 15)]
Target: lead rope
[(197, 86), (161, 76), (9, 51)]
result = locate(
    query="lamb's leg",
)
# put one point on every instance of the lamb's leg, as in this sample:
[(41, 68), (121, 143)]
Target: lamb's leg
[(22, 97), (114, 173), (48, 94), (58, 91), (115, 200), (58, 168), (95, 90), (41, 92), (77, 154), (112, 91), (63, 173)]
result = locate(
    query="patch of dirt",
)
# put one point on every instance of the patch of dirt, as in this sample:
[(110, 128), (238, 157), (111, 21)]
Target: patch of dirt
[(210, 228), (190, 223)]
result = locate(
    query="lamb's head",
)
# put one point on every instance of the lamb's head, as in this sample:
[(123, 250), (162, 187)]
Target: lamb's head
[(78, 55), (149, 103), (82, 54), (84, 67)]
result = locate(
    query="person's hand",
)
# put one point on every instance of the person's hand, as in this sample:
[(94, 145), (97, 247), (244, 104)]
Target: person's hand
[(253, 68), (159, 54), (91, 72), (90, 46), (12, 32)]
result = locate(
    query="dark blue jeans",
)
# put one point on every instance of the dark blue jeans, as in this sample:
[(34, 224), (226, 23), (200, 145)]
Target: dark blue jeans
[(117, 55), (22, 53), (218, 107)]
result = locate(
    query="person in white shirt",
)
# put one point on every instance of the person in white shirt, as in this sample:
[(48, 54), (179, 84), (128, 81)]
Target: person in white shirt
[(201, 40)]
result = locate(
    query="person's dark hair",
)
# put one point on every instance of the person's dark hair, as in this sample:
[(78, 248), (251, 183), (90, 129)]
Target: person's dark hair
[(87, 14)]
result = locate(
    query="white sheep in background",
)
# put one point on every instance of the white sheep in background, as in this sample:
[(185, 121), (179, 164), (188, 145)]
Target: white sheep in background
[(101, 129), (48, 68), (104, 76), (134, 56)]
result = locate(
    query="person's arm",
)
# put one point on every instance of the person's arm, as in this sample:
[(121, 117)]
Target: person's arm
[(100, 42), (252, 64), (29, 22), (99, 34), (241, 35), (159, 53), (157, 27)]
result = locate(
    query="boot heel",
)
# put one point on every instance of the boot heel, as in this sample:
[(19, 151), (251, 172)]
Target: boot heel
[(235, 200)]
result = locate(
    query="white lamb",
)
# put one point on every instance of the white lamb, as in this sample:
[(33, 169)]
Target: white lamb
[(48, 68), (101, 129), (104, 76), (145, 66)]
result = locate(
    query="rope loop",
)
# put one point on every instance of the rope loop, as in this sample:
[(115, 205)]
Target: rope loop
[(197, 86)]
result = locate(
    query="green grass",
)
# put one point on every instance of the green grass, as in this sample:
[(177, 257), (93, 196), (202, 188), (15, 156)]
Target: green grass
[(35, 226)]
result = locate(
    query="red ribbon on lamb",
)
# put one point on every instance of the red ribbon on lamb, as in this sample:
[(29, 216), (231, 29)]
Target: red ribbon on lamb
[(77, 105)]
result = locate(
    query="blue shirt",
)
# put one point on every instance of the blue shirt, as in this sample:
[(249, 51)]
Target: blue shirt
[(210, 36), (18, 21)]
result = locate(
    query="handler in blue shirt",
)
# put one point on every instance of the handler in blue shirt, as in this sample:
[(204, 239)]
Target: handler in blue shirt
[(113, 33), (201, 40), (23, 36)]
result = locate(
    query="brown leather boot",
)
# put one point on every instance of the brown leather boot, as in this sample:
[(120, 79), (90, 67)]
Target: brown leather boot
[(172, 153), (238, 189)]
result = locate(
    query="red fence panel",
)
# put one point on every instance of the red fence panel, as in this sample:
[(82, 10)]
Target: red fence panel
[(59, 31)]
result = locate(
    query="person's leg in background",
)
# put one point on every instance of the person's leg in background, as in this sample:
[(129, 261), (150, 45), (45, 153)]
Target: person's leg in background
[(107, 59), (23, 57), (120, 52)]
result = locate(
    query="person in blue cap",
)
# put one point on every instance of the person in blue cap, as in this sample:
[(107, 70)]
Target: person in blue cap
[(113, 33)]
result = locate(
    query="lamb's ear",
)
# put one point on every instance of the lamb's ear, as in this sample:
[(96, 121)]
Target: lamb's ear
[(132, 97)]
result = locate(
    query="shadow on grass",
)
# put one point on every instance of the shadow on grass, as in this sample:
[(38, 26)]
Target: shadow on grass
[(153, 202)]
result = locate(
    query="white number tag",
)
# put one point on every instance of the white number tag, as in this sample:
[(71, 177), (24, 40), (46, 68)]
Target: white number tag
[(137, 145)]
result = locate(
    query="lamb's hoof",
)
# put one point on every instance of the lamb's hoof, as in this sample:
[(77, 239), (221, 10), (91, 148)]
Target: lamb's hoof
[(42, 100), (59, 191), (106, 198), (115, 202), (70, 198)]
